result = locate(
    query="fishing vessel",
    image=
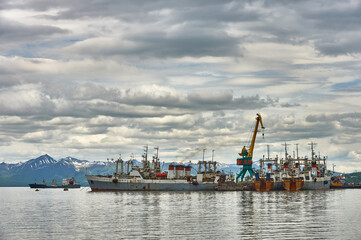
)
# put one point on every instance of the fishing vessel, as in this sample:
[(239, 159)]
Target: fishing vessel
[(292, 180), (297, 173), (66, 183), (315, 172), (149, 177)]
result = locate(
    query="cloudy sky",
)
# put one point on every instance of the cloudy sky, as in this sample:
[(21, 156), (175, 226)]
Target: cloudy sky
[(92, 79)]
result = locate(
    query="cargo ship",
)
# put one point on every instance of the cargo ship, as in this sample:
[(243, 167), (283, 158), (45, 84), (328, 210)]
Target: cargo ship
[(149, 177), (66, 183)]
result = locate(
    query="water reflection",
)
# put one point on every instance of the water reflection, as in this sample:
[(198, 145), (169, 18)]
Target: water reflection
[(78, 214)]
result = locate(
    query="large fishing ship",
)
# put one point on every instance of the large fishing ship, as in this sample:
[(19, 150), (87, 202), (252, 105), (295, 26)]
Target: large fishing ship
[(297, 173), (149, 177)]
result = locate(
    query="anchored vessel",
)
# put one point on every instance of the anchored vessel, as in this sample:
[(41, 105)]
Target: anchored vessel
[(66, 183), (288, 175), (149, 177)]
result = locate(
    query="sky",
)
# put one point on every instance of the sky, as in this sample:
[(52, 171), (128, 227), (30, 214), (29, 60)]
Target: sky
[(95, 79)]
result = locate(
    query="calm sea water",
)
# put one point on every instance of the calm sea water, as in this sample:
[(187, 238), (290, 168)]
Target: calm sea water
[(81, 214)]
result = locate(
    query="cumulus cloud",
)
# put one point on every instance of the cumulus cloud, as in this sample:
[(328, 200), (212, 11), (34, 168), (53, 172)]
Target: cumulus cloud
[(90, 77), (95, 100)]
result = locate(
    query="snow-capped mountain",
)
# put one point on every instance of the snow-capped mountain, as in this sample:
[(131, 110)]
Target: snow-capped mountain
[(77, 163), (41, 162)]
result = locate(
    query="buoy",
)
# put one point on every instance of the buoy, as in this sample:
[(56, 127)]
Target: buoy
[(65, 189), (37, 190)]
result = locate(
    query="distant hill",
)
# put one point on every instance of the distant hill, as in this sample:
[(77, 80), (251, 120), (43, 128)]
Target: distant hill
[(47, 168), (353, 177)]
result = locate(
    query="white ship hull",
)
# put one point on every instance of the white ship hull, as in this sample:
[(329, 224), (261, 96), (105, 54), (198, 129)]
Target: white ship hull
[(317, 184), (103, 183)]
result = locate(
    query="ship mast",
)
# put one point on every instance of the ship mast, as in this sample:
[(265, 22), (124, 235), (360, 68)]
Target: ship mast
[(286, 154), (146, 169), (156, 164), (312, 149)]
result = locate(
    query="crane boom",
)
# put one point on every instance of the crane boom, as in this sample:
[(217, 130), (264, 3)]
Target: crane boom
[(259, 121)]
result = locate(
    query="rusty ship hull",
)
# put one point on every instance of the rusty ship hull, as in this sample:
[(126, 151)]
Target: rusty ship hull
[(293, 184), (262, 185)]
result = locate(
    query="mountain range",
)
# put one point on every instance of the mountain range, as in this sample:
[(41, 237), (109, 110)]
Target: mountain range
[(47, 168)]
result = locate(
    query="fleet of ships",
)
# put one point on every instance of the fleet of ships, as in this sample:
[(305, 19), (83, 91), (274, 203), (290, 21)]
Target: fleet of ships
[(282, 174), (288, 173)]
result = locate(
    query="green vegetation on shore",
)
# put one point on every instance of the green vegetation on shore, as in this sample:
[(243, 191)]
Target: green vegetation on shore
[(353, 177)]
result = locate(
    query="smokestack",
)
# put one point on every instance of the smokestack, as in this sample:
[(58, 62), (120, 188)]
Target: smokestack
[(269, 167), (188, 171), (314, 168), (285, 167), (179, 171), (170, 171), (297, 168)]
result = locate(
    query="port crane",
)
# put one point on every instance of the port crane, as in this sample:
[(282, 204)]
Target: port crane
[(246, 156)]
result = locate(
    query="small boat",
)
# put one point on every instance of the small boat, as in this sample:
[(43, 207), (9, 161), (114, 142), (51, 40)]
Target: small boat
[(338, 181)]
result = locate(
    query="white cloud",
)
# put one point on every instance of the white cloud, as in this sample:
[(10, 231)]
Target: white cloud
[(90, 78)]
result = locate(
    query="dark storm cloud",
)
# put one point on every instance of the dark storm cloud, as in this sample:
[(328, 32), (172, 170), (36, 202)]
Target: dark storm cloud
[(132, 11), (200, 30), (190, 41), (87, 100), (187, 42), (199, 101), (299, 131), (290, 105), (14, 32), (333, 117), (279, 129), (352, 120), (348, 125), (340, 46), (203, 25)]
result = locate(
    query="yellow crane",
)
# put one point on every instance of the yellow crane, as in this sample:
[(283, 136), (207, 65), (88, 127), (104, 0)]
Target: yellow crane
[(246, 155)]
